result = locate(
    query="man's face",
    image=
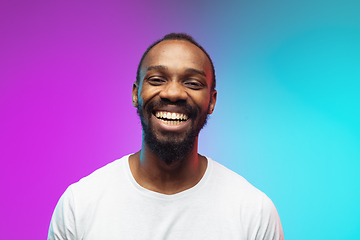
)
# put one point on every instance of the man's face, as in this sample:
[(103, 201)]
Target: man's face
[(174, 96)]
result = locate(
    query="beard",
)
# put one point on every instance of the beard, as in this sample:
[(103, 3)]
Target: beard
[(171, 148)]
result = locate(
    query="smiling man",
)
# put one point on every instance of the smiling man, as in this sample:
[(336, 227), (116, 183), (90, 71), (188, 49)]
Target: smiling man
[(167, 190)]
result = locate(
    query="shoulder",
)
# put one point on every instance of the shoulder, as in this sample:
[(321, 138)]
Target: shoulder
[(81, 200), (236, 191), (258, 213), (230, 180), (99, 184), (106, 173)]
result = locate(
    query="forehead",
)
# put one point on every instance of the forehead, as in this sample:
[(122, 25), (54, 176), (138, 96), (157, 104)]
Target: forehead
[(177, 55)]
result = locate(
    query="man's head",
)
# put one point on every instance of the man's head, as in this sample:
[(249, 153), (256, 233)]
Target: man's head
[(181, 37), (174, 95)]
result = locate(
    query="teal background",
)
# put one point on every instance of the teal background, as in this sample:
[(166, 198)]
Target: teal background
[(288, 111), (287, 114)]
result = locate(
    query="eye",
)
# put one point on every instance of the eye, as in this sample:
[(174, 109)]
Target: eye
[(156, 81), (194, 84)]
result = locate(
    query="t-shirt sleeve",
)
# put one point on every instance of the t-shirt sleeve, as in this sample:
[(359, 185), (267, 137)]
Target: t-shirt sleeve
[(270, 226), (62, 225)]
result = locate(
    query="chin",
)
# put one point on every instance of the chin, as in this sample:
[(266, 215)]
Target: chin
[(171, 149)]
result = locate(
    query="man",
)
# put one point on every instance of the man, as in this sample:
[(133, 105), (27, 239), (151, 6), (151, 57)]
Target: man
[(167, 190)]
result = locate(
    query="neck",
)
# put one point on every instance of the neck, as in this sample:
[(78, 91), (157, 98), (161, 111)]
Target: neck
[(154, 174)]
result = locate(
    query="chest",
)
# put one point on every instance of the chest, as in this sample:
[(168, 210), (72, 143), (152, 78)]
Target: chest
[(143, 218)]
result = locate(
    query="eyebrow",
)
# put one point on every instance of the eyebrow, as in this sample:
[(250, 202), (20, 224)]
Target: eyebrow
[(193, 70), (189, 70), (157, 67)]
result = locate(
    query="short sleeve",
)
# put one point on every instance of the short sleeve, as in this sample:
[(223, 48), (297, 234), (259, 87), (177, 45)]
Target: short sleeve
[(62, 225), (270, 226)]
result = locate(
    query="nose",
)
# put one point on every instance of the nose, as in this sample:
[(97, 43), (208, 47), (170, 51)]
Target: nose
[(173, 91)]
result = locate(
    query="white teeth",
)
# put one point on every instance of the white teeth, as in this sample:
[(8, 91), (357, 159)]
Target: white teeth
[(172, 116), (171, 122)]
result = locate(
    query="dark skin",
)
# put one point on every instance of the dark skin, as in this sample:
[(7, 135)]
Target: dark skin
[(174, 70)]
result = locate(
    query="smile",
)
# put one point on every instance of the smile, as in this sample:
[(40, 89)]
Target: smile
[(171, 118)]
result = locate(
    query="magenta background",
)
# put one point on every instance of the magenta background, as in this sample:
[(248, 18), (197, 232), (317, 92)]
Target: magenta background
[(287, 116), (67, 69)]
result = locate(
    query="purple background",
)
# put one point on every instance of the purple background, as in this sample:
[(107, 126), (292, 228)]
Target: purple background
[(287, 116)]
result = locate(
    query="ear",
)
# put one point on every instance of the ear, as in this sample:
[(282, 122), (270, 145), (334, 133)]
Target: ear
[(212, 102), (135, 90)]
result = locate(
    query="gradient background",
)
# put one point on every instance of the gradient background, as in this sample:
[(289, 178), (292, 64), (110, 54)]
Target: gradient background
[(287, 116)]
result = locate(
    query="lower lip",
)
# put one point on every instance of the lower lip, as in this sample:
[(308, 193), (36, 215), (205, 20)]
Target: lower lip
[(171, 128)]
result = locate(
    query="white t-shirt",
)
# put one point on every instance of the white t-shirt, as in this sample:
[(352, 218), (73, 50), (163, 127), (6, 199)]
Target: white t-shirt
[(110, 205)]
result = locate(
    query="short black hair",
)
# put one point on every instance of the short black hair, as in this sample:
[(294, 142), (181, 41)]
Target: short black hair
[(180, 37)]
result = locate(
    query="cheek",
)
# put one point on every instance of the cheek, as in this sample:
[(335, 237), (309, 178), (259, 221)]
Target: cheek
[(142, 98), (140, 102), (204, 103), (146, 94)]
